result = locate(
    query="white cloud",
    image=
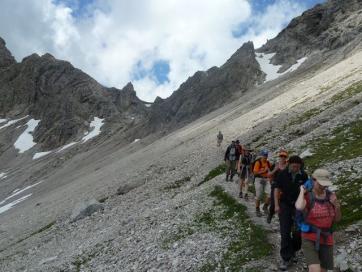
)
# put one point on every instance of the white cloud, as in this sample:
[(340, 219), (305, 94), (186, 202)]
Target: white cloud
[(191, 35)]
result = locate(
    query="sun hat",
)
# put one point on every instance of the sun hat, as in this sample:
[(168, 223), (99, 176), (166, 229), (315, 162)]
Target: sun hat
[(323, 177)]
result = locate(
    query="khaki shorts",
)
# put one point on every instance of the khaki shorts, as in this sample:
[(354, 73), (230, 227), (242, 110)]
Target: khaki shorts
[(262, 185), (324, 257)]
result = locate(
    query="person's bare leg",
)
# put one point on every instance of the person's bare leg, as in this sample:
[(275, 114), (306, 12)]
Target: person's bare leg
[(315, 268), (246, 187)]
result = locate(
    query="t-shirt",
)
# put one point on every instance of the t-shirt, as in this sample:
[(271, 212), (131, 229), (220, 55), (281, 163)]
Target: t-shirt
[(322, 216), (289, 185), (245, 159), (261, 165)]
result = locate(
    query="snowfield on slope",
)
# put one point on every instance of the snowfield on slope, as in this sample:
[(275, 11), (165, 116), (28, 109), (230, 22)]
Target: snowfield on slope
[(15, 193), (96, 124), (26, 139), (11, 122), (270, 69)]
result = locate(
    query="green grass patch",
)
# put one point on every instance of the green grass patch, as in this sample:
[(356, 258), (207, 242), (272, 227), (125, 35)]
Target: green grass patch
[(351, 91), (350, 195), (305, 116), (345, 143), (226, 218), (82, 261), (250, 241), (177, 184), (221, 169)]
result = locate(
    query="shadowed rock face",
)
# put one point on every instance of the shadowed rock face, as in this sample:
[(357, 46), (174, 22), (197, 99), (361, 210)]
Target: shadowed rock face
[(6, 59), (207, 91), (64, 98), (325, 27)]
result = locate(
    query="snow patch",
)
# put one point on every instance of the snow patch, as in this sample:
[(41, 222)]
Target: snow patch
[(136, 140), (67, 146), (271, 70), (41, 154), (11, 122), (18, 191), (3, 175), (3, 120), (296, 66), (148, 105), (26, 140), (96, 124), (12, 204)]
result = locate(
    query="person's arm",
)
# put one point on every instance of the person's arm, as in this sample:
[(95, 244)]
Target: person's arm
[(276, 200), (226, 153), (258, 170), (277, 193), (301, 203), (337, 207), (239, 164)]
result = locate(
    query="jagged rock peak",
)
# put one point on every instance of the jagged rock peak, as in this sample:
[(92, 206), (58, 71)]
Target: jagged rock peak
[(6, 58)]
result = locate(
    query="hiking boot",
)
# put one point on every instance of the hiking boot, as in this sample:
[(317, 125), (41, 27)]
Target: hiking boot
[(241, 194), (265, 208), (227, 178), (246, 197), (258, 212), (283, 265)]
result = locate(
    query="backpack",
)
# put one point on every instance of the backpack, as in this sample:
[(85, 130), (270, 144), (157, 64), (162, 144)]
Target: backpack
[(258, 160), (232, 153), (301, 216)]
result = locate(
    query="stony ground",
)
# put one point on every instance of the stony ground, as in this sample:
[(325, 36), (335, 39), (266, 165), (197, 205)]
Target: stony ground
[(161, 220)]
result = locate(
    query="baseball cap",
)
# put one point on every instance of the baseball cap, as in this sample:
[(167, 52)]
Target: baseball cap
[(323, 177)]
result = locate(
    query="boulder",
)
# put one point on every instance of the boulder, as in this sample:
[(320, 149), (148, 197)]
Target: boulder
[(86, 209)]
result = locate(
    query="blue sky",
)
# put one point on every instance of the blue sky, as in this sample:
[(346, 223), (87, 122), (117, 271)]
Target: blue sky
[(156, 44)]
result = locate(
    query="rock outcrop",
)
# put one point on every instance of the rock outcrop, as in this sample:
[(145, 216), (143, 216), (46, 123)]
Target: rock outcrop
[(325, 27), (6, 58), (207, 91), (64, 98)]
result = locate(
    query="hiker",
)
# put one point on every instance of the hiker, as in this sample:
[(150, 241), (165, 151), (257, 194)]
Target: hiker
[(219, 138), (231, 157), (278, 167), (244, 170), (321, 210), (239, 147), (288, 184), (261, 170)]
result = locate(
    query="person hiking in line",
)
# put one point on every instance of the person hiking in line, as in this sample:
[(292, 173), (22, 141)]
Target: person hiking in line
[(288, 184), (219, 138), (278, 167), (231, 157), (244, 170), (239, 147), (262, 185), (321, 210)]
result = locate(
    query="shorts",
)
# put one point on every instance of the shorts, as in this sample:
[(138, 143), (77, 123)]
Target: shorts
[(324, 257), (262, 185), (244, 174)]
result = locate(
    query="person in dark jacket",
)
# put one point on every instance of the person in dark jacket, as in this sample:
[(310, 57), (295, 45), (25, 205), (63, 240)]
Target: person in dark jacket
[(231, 158), (287, 186), (278, 167)]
